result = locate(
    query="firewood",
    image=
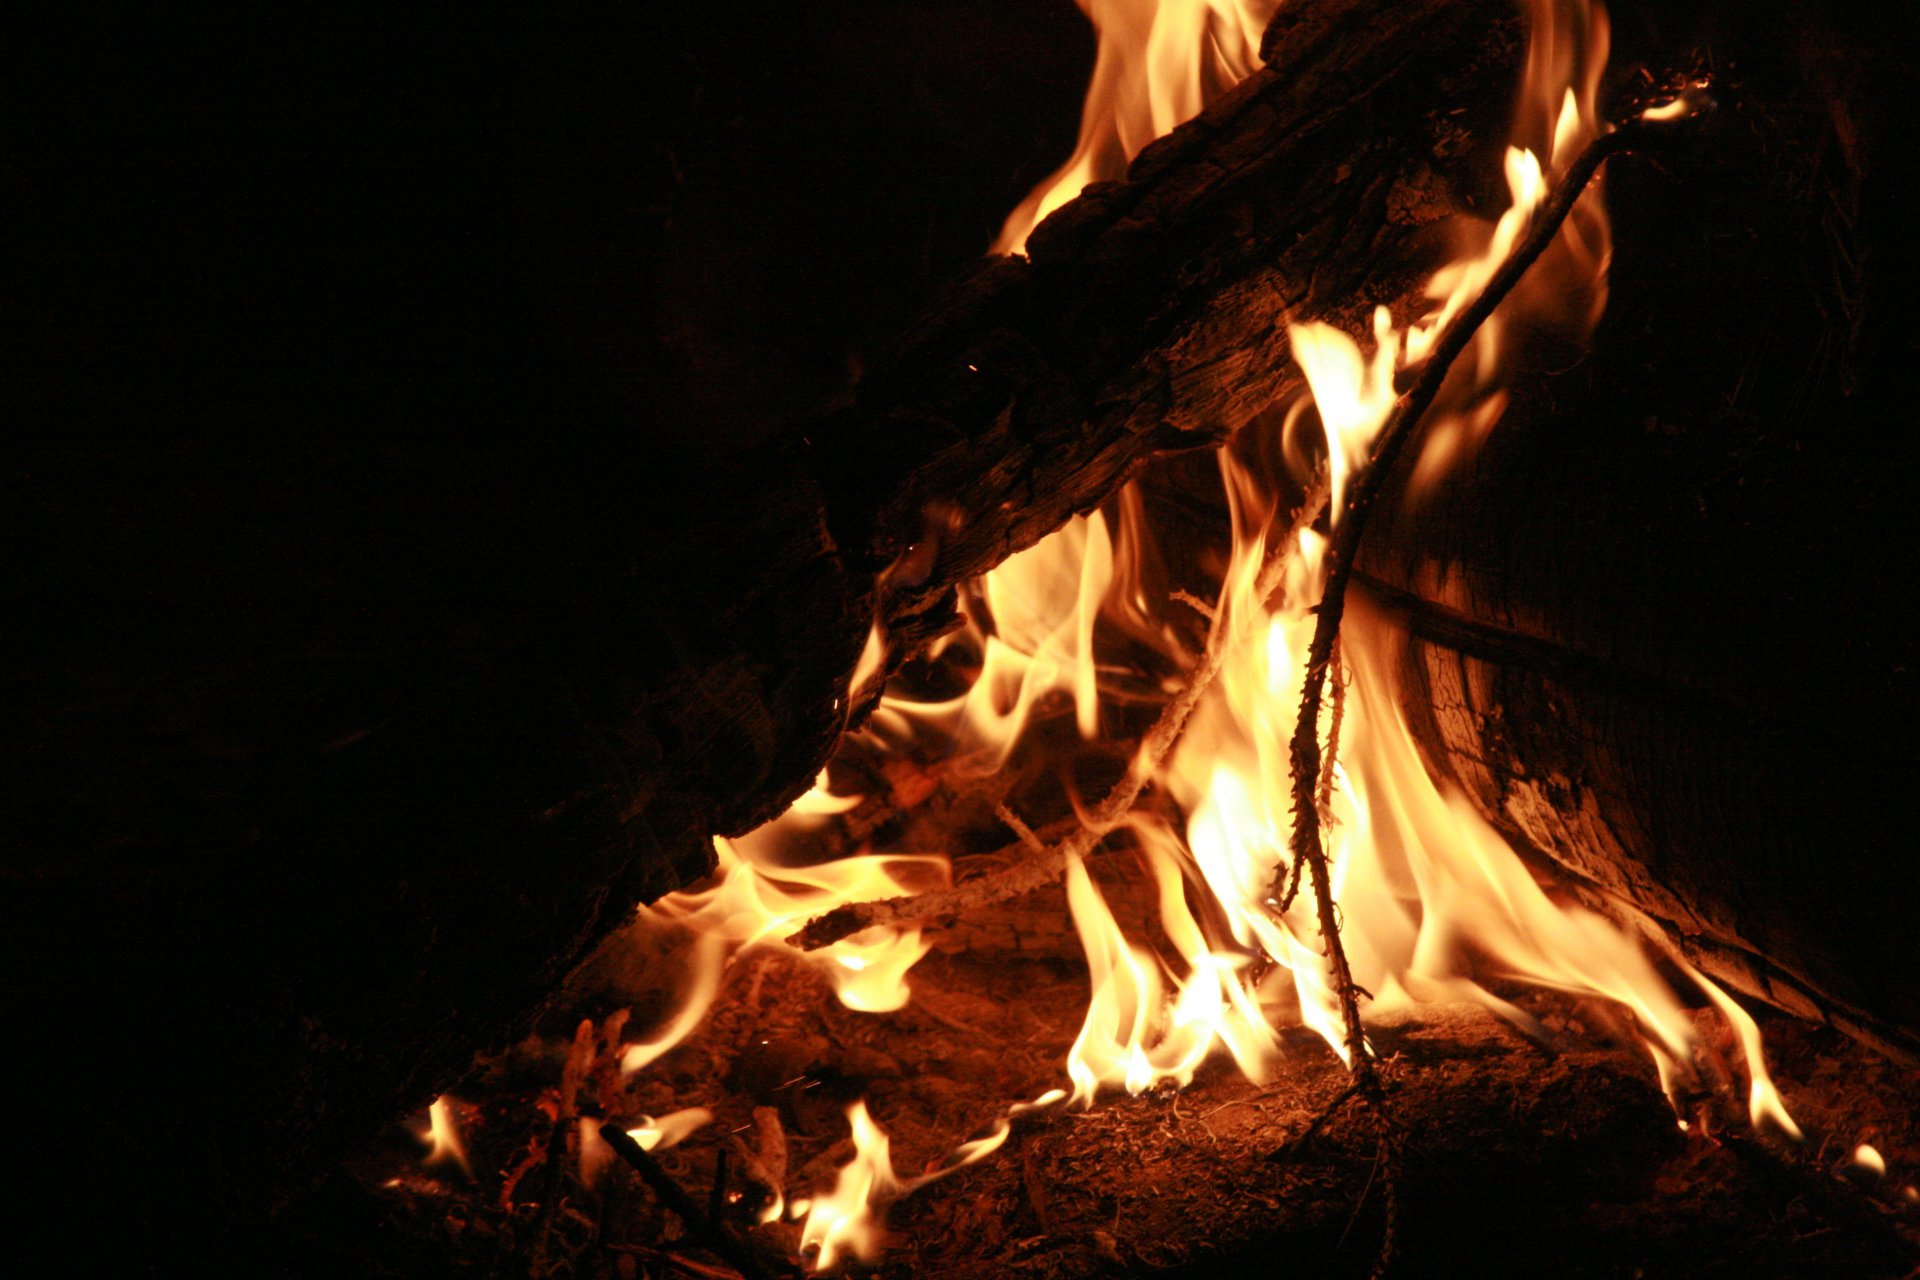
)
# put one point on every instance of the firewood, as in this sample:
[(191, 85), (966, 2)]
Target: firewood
[(1654, 631), (1149, 315)]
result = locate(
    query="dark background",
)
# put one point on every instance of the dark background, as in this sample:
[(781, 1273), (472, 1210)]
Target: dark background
[(364, 371)]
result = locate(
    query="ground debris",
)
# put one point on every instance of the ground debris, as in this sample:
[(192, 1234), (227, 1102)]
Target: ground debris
[(1520, 1158)]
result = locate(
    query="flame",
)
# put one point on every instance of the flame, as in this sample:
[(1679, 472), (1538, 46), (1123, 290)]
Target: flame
[(755, 902), (1865, 1156), (1354, 395), (1159, 62), (1032, 625), (671, 1129), (847, 1218), (442, 1136)]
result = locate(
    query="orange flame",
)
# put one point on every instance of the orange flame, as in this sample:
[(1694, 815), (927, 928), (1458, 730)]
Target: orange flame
[(1159, 63)]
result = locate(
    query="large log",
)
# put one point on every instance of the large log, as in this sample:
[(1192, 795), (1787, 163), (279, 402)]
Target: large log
[(385, 656), (1657, 628)]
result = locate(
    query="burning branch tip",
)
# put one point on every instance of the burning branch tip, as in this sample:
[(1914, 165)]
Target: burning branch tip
[(1193, 602)]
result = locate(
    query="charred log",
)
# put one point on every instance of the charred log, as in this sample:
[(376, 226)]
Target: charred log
[(1150, 315)]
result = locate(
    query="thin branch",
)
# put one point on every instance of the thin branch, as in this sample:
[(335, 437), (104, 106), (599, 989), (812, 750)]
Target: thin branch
[(1309, 779), (1402, 426), (1192, 602), (709, 1231), (1017, 825)]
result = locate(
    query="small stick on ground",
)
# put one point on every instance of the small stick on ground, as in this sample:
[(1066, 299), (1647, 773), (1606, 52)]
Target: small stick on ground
[(717, 1198), (709, 1231)]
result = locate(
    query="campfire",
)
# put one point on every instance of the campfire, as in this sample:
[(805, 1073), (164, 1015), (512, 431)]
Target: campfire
[(1173, 757), (1260, 733)]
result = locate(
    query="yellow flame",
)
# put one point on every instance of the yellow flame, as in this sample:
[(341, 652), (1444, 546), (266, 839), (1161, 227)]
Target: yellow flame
[(1354, 395), (1032, 624), (671, 1129), (846, 1220), (1159, 62), (442, 1136), (668, 1131), (755, 902)]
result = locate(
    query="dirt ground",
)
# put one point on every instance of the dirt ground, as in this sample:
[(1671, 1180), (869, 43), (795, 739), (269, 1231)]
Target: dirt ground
[(1514, 1157)]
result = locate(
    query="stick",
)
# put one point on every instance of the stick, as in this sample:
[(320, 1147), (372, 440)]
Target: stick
[(709, 1231), (1402, 426)]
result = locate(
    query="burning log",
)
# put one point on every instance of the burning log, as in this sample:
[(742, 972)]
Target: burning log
[(1150, 315), (1651, 630)]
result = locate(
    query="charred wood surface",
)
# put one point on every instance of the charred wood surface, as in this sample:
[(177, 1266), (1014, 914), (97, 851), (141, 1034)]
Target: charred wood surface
[(1149, 315)]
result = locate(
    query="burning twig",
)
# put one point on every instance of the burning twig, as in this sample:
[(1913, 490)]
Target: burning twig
[(708, 1230), (1402, 426), (1028, 871)]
